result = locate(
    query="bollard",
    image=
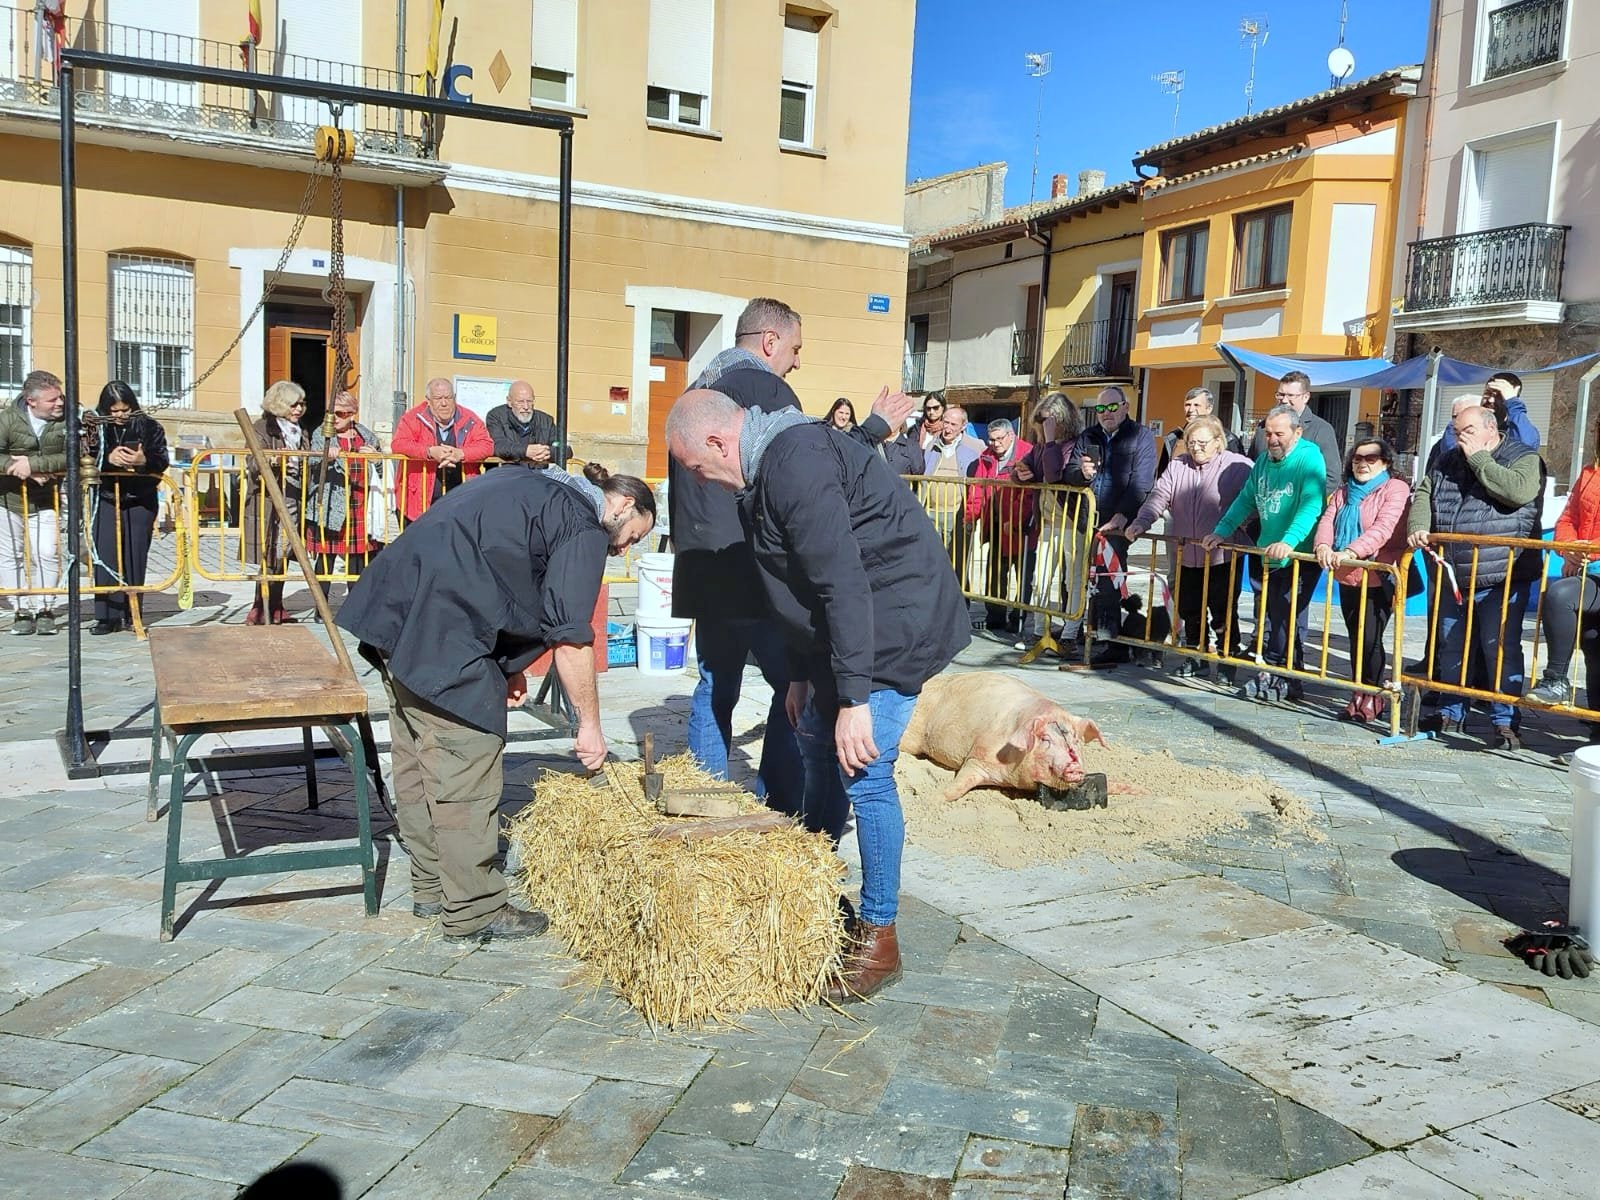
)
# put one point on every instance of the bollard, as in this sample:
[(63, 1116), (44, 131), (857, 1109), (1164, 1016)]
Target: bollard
[(1583, 908)]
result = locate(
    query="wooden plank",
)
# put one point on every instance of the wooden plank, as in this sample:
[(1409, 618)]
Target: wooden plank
[(700, 804), (694, 830), (225, 673)]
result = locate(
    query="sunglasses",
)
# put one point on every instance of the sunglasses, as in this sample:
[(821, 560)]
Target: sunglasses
[(1104, 408), (1366, 458)]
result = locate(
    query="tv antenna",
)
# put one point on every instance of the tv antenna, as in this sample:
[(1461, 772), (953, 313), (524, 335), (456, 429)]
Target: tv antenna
[(1341, 63), (1038, 66), (1171, 83), (1254, 31)]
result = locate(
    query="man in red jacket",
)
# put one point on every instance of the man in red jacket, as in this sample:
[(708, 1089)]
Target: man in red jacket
[(445, 443)]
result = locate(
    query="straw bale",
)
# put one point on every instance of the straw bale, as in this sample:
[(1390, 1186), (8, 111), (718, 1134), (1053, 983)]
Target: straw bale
[(686, 931)]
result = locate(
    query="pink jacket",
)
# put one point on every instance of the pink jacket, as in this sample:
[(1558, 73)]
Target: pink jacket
[(1383, 527), (1194, 499)]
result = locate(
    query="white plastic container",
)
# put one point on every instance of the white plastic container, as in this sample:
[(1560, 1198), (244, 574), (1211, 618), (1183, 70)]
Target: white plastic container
[(1583, 907), (655, 586), (663, 644)]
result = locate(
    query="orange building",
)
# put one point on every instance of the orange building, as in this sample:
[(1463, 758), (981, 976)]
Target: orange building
[(1276, 232)]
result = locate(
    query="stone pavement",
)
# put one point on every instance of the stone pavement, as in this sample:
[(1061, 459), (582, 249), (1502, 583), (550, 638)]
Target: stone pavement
[(1235, 1018)]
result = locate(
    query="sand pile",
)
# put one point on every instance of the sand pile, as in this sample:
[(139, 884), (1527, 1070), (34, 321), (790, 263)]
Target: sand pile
[(687, 932), (1178, 803)]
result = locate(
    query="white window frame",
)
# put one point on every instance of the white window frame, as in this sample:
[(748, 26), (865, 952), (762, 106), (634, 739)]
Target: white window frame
[(793, 72), (1480, 44), (179, 335), (675, 109), (16, 291), (667, 74), (563, 17), (1470, 198)]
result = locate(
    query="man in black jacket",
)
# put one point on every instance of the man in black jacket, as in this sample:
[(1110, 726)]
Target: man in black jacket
[(451, 614), (713, 576), (870, 611), (523, 434)]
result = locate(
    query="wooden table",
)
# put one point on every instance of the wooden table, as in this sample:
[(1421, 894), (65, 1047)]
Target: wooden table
[(228, 678)]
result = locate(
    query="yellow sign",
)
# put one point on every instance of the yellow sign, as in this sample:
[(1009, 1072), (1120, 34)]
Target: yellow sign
[(476, 336)]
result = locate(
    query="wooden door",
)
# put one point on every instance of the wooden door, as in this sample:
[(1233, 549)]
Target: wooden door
[(673, 380), (1119, 334), (279, 338)]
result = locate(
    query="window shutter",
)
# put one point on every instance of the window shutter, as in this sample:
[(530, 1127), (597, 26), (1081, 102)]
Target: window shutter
[(16, 276), (323, 41), (555, 35), (152, 302), (161, 29), (800, 51), (681, 36), (1513, 183), (1537, 393)]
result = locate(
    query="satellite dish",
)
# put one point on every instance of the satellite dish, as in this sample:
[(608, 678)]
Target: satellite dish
[(1341, 62)]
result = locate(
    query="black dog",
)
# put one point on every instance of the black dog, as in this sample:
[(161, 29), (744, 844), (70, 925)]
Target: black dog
[(1133, 626)]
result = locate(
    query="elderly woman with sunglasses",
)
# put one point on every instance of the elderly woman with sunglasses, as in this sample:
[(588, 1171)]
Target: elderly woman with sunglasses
[(265, 543), (336, 517), (1365, 520)]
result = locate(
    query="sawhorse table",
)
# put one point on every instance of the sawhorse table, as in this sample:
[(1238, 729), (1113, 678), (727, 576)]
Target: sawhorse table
[(231, 678)]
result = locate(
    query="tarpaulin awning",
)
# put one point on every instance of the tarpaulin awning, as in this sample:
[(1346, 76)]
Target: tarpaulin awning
[(1380, 372)]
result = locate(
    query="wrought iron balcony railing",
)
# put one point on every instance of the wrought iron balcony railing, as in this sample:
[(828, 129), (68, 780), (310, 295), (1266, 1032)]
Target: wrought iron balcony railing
[(1097, 349), (1493, 266), (913, 371), (1024, 351), (1522, 35), (27, 81)]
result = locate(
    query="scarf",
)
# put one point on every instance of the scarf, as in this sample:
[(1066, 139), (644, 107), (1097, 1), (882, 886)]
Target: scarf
[(759, 430), (583, 487), (291, 432), (1347, 524), (732, 359)]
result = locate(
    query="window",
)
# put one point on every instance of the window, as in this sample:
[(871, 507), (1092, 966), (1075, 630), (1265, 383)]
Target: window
[(797, 97), (168, 30), (152, 324), (319, 41), (555, 52), (16, 316), (1519, 34), (1183, 265), (1262, 250), (679, 85), (1508, 182)]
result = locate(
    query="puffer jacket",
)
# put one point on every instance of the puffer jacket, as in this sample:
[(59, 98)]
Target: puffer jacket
[(46, 455), (1493, 494)]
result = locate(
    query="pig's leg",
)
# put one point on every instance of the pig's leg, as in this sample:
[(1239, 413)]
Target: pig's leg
[(970, 775)]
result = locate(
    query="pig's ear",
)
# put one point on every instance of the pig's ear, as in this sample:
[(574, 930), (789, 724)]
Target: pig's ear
[(1088, 731), (1023, 740)]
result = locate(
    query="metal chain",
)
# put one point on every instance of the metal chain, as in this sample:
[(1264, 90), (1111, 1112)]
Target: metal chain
[(268, 286), (338, 335)]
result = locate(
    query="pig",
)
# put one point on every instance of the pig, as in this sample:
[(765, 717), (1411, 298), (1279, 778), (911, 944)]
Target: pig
[(996, 731)]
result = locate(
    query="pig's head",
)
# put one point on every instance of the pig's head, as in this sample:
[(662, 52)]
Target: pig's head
[(1048, 750)]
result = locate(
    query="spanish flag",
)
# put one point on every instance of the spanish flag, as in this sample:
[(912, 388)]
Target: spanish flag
[(432, 67), (255, 22)]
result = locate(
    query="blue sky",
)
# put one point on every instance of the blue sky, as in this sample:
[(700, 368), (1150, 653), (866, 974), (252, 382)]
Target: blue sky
[(972, 100)]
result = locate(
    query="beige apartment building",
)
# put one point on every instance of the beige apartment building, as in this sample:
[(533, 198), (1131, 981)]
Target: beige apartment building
[(723, 149)]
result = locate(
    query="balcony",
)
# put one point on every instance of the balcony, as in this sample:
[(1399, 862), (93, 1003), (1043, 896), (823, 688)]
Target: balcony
[(1509, 276), (246, 118), (1097, 350), (913, 371), (1024, 351), (1524, 35)]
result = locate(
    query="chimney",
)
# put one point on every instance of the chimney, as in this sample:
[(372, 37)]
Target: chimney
[(1058, 186), (1090, 181)]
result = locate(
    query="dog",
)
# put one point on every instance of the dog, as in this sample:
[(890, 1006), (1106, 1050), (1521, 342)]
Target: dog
[(1158, 629)]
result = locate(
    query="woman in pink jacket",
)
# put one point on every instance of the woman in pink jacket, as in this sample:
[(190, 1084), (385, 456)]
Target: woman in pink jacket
[(1365, 520), (1194, 491)]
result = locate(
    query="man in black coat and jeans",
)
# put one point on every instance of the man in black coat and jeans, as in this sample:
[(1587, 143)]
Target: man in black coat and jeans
[(869, 608)]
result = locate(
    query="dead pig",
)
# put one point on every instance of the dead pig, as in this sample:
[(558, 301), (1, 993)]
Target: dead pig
[(995, 731)]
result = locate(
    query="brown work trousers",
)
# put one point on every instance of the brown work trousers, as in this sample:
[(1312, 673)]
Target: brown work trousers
[(447, 785)]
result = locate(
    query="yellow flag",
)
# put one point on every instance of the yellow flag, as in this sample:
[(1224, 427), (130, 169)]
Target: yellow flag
[(255, 22), (432, 67)]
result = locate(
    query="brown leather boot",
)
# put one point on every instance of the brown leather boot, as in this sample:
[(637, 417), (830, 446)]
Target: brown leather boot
[(871, 964)]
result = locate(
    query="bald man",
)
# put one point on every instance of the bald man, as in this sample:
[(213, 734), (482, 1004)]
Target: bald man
[(523, 434)]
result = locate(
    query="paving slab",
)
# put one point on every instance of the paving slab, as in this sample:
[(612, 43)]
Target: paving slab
[(1396, 1074), (1119, 1152), (385, 1046), (459, 1162), (26, 1172), (733, 1097), (1537, 1150), (511, 1025), (23, 976), (356, 1163), (603, 1129), (814, 1133), (570, 1046), (389, 986), (1011, 1169), (241, 1077), (328, 962), (59, 1009), (44, 1064), (218, 974), (489, 1083), (73, 1114), (189, 1145), (301, 1012), (868, 1183), (1390, 1175), (139, 1030), (164, 1185), (313, 1106), (1269, 986), (1018, 1116), (705, 1166)]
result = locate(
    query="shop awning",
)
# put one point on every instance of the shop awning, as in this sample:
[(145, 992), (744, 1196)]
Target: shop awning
[(1380, 372)]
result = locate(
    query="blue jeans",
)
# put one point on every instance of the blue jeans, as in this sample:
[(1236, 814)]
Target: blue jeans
[(1488, 636), (722, 647), (830, 793)]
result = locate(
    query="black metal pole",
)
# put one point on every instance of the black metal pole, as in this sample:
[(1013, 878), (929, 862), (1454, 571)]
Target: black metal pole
[(75, 752), (563, 286)]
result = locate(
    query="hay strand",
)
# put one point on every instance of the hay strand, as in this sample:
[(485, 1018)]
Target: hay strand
[(687, 931)]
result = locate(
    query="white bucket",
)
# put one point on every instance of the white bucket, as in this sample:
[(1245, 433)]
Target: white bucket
[(1583, 905), (663, 645), (655, 586)]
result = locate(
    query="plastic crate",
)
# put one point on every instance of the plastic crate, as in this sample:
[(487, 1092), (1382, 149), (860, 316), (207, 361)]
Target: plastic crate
[(621, 648)]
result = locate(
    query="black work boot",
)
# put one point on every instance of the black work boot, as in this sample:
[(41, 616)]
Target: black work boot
[(508, 925)]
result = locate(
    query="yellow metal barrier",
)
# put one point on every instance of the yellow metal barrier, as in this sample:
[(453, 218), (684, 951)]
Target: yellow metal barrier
[(1506, 603), (1152, 568)]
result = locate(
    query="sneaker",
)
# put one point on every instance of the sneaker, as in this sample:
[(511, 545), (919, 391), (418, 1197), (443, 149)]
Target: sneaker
[(45, 625), (1552, 689), (1505, 738), (1187, 669), (508, 925), (23, 625), (1256, 687), (1225, 675)]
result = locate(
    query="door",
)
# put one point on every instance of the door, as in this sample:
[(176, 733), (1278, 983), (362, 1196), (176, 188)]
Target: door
[(306, 357), (1334, 408), (669, 378), (1119, 331)]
